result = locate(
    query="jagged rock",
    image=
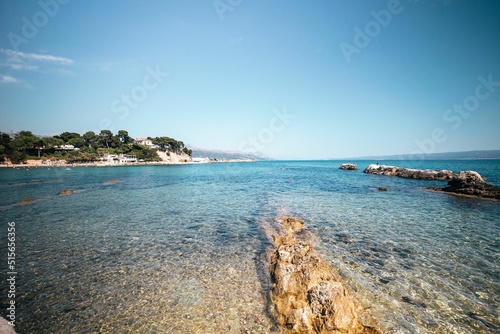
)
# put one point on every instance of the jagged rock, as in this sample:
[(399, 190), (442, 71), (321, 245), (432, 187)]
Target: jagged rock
[(66, 192), (469, 176), (410, 173), (470, 183), (308, 296), (348, 166)]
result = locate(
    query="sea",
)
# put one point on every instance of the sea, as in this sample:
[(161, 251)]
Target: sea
[(181, 248)]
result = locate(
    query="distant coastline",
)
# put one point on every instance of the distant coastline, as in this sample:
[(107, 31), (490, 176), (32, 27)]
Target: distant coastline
[(63, 164), (462, 155)]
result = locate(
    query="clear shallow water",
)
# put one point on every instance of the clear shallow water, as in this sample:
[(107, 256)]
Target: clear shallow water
[(179, 249)]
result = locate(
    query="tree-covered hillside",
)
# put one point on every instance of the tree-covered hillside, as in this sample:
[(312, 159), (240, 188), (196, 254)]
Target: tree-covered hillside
[(89, 147)]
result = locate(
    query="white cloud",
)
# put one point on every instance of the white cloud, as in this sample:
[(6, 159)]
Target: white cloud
[(5, 79), (41, 63), (20, 66), (19, 57)]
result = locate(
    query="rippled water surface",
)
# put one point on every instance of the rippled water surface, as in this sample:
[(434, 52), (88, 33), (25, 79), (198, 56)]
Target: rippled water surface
[(179, 249)]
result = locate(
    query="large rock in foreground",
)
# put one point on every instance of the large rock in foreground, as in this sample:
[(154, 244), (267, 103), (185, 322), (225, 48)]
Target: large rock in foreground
[(410, 173), (307, 294), (470, 183)]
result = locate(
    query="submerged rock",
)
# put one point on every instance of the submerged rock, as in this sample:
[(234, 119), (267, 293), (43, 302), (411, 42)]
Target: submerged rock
[(66, 192), (308, 296), (348, 166), (27, 201), (470, 183), (410, 173), (111, 181)]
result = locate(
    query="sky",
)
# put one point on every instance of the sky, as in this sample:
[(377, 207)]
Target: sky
[(286, 79)]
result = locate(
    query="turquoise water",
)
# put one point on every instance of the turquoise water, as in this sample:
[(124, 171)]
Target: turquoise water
[(180, 249)]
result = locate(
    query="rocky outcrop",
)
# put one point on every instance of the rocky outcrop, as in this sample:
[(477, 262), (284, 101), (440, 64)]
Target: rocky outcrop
[(307, 294), (470, 183), (348, 166), (409, 173), (66, 192), (174, 158)]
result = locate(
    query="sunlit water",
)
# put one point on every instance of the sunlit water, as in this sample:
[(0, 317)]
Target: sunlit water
[(179, 249)]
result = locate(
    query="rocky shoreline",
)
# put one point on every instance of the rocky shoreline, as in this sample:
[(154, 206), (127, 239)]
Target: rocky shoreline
[(307, 294), (410, 173), (470, 183), (466, 183)]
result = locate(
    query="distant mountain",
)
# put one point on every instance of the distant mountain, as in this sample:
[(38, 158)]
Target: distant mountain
[(466, 155), (229, 155)]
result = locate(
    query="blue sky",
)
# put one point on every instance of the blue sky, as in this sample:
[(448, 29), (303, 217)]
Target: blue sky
[(290, 79)]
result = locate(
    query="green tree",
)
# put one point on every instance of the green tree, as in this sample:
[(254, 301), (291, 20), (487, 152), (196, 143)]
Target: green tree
[(67, 136), (105, 138), (77, 142), (91, 139), (50, 142), (16, 157), (5, 139), (4, 146), (25, 140), (144, 153), (124, 137), (168, 144)]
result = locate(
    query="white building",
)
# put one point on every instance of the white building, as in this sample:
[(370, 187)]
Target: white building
[(119, 159), (144, 141), (201, 160), (65, 148)]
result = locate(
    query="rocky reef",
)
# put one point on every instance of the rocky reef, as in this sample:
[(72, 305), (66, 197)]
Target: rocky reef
[(307, 295), (410, 173), (470, 183), (27, 201), (348, 166), (66, 192)]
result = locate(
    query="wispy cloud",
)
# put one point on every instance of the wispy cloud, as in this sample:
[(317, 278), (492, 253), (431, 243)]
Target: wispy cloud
[(20, 66), (15, 61), (6, 79), (19, 57)]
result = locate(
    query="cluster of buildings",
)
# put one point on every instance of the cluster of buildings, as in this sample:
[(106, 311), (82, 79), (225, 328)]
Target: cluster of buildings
[(115, 159)]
